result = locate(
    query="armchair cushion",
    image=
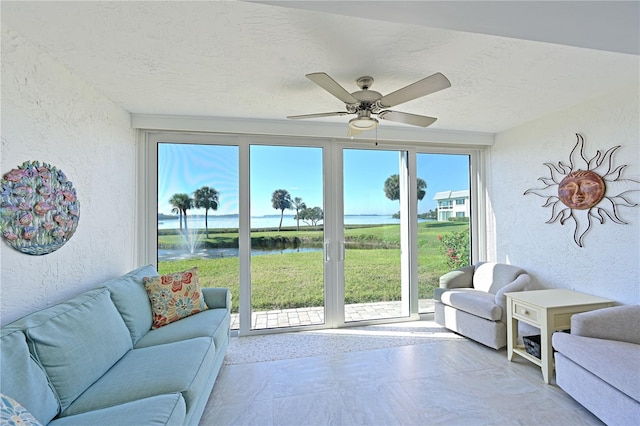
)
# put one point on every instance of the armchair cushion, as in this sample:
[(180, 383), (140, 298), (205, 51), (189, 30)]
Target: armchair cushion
[(491, 277), (475, 302)]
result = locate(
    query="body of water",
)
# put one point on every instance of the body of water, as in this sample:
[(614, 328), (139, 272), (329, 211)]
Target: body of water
[(181, 254), (256, 222), (269, 221)]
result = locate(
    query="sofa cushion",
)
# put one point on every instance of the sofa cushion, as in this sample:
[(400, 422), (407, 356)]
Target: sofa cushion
[(183, 367), (168, 409), (73, 345), (174, 296), (476, 302), (131, 299), (617, 363), (23, 379), (210, 323), (13, 413), (491, 277)]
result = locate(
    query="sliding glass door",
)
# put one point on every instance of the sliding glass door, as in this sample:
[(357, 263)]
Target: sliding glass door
[(375, 200), (314, 234), (287, 238)]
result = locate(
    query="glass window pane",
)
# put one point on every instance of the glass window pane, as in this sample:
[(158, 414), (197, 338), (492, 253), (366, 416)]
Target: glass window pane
[(198, 214), (373, 190), (287, 235), (443, 221)]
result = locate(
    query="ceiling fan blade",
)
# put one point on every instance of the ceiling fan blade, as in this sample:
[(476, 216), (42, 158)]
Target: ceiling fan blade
[(424, 87), (406, 118), (322, 114), (330, 85)]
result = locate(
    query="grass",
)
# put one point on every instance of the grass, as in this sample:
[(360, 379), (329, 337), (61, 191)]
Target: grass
[(292, 280)]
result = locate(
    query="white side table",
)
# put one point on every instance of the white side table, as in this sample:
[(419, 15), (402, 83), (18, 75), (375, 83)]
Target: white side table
[(550, 311)]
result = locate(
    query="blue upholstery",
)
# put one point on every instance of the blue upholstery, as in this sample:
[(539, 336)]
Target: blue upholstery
[(23, 379), (74, 363), (131, 299), (72, 343), (151, 371), (213, 323), (167, 409)]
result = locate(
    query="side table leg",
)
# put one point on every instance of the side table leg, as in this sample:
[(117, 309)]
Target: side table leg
[(512, 330), (546, 348)]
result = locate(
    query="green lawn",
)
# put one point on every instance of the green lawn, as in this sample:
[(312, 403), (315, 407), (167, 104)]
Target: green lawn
[(290, 280)]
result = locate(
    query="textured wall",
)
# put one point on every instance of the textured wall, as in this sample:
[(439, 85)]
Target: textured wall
[(608, 264), (51, 116)]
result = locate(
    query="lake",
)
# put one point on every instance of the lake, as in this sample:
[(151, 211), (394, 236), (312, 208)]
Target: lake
[(256, 222), (180, 254), (269, 221)]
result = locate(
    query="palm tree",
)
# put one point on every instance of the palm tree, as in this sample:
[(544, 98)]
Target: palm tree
[(206, 198), (281, 200), (298, 204), (181, 203), (392, 188), (175, 202)]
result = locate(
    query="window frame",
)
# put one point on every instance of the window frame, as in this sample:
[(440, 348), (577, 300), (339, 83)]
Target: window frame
[(146, 247)]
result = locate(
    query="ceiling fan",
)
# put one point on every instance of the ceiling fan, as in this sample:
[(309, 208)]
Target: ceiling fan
[(366, 102)]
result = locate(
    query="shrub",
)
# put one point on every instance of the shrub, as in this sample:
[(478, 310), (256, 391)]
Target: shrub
[(455, 246)]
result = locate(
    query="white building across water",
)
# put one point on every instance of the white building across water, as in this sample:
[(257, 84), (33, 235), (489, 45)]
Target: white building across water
[(452, 204)]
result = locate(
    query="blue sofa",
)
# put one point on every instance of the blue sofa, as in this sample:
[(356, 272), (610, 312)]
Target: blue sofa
[(94, 359)]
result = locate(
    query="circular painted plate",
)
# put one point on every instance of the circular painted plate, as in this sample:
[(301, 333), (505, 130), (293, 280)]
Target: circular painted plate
[(39, 211)]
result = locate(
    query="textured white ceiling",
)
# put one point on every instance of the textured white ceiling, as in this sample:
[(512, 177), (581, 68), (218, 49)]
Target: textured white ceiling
[(248, 60)]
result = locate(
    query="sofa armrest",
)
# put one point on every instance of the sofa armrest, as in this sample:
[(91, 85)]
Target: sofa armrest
[(621, 323), (217, 297), (459, 278)]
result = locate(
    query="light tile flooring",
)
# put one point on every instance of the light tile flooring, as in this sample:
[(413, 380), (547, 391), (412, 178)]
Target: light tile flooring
[(441, 382)]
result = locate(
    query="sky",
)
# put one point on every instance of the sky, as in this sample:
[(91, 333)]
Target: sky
[(183, 168)]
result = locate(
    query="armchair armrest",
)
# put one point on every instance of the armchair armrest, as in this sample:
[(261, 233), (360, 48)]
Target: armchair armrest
[(621, 323), (459, 278), (217, 297), (519, 284)]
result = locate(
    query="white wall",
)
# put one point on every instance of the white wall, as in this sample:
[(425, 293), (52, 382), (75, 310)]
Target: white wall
[(608, 264), (50, 115)]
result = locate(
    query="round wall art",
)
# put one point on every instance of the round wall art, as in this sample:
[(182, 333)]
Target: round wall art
[(40, 211)]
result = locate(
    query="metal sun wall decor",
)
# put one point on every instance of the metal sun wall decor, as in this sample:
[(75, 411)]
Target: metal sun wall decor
[(40, 210), (584, 189)]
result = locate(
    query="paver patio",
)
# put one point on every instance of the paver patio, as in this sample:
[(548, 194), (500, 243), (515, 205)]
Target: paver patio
[(315, 315)]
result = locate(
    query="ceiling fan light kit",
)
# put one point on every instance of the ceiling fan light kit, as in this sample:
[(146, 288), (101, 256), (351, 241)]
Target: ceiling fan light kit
[(363, 121), (366, 102)]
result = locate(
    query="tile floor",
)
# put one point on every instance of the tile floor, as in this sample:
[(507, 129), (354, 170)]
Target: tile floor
[(441, 382)]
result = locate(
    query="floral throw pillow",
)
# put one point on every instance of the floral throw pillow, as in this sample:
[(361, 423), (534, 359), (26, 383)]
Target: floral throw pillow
[(12, 413), (174, 296)]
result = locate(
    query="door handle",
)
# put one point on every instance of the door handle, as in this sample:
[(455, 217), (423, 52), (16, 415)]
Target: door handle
[(342, 251), (326, 251)]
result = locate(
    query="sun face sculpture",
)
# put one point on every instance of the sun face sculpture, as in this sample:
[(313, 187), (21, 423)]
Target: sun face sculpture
[(583, 190)]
